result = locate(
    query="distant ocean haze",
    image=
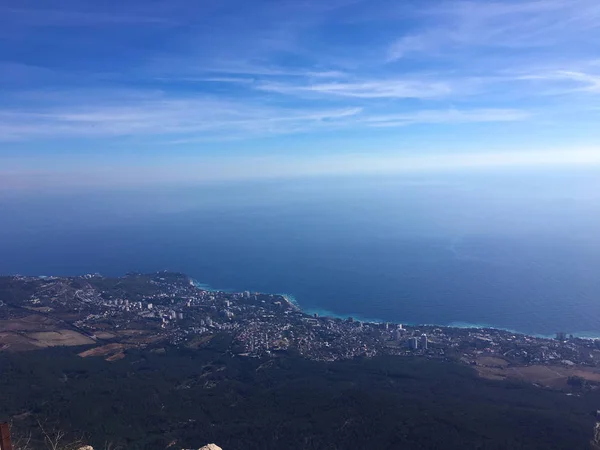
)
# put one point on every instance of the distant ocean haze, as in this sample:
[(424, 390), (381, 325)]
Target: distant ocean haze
[(519, 252)]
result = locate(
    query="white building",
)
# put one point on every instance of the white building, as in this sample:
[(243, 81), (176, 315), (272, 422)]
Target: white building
[(424, 342)]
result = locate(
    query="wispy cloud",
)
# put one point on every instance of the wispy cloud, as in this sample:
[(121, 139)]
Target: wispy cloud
[(409, 44), (571, 81), (464, 25), (182, 72), (448, 117), (245, 73), (189, 119), (182, 121), (370, 89)]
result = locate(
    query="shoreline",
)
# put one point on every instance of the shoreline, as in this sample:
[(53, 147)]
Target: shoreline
[(457, 325)]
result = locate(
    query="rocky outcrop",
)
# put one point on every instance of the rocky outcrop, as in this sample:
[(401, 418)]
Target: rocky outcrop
[(206, 447), (596, 441)]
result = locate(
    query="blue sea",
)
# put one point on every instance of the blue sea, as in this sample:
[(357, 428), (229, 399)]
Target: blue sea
[(519, 253)]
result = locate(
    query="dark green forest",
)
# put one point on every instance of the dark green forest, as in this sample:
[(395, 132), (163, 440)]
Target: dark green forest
[(151, 399)]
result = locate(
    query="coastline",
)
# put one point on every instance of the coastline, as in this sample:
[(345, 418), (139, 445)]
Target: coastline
[(207, 287), (291, 299)]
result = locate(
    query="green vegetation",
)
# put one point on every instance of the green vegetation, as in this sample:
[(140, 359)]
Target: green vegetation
[(150, 399), (14, 291), (135, 286)]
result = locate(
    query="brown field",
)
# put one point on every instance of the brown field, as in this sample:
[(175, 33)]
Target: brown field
[(59, 338), (103, 350), (104, 335), (33, 322), (15, 342), (550, 376), (23, 341), (590, 374), (491, 373), (110, 352), (116, 357)]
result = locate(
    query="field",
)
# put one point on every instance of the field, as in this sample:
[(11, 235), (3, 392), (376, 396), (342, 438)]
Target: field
[(110, 352), (34, 322), (555, 376), (59, 338), (104, 335), (19, 341), (15, 342), (35, 331)]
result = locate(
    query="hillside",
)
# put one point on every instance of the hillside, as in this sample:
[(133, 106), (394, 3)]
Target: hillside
[(150, 399)]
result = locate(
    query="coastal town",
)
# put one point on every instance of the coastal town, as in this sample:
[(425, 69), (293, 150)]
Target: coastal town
[(154, 310)]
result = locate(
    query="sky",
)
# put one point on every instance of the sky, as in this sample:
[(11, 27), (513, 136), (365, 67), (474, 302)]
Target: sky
[(111, 93)]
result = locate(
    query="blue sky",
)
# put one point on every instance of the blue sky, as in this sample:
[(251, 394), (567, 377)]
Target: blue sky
[(107, 92)]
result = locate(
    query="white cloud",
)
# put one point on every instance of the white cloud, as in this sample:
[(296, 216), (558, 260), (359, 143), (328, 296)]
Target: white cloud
[(448, 116), (570, 81), (463, 25), (326, 74), (181, 121), (233, 78), (409, 44), (207, 118), (371, 89)]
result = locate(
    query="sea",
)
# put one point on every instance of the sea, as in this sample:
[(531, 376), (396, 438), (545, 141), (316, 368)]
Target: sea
[(518, 252)]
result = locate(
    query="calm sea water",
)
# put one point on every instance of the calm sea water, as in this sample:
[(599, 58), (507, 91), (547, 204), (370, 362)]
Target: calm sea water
[(443, 251)]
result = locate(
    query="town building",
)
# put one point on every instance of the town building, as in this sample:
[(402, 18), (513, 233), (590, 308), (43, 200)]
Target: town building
[(424, 342), (413, 343)]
